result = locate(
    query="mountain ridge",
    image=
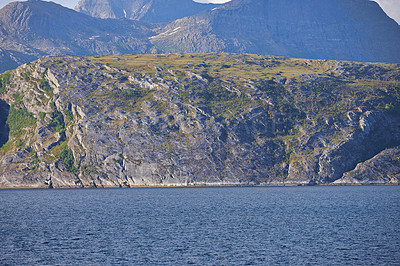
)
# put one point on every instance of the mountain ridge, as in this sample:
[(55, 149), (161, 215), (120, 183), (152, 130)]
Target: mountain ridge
[(357, 31)]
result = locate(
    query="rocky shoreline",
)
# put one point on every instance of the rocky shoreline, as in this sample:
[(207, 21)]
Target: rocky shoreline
[(209, 186)]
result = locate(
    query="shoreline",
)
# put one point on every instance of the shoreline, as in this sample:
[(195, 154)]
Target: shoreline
[(201, 186)]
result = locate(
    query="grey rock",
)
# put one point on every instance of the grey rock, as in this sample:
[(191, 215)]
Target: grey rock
[(384, 168)]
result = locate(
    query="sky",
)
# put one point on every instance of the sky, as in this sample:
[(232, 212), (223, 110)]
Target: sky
[(391, 7)]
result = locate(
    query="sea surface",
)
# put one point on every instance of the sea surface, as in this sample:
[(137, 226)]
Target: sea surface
[(201, 226)]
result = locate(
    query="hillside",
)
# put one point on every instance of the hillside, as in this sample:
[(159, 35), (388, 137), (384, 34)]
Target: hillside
[(153, 11), (198, 119)]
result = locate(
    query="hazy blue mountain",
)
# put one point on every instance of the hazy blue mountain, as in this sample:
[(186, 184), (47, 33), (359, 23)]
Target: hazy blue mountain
[(332, 29), (145, 10), (356, 30), (32, 29)]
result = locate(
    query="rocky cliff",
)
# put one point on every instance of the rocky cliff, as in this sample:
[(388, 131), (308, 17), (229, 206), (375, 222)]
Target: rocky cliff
[(198, 119)]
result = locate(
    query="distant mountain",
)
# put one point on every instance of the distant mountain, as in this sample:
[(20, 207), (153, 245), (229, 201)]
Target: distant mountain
[(330, 29), (32, 29), (356, 30), (10, 59), (153, 11)]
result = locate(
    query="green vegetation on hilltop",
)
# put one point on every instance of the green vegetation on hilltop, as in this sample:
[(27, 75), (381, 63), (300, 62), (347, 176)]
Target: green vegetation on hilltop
[(128, 94), (289, 89)]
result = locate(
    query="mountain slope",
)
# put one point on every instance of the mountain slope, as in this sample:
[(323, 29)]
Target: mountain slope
[(153, 11), (35, 28), (198, 119), (326, 29)]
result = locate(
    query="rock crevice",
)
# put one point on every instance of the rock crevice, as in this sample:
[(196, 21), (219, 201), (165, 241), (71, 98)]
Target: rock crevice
[(4, 130)]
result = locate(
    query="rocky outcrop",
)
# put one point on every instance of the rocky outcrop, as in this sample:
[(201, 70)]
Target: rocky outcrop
[(211, 119), (383, 168), (328, 162)]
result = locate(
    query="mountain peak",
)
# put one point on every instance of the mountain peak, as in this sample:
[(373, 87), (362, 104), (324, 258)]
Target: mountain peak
[(23, 17), (154, 11), (31, 29)]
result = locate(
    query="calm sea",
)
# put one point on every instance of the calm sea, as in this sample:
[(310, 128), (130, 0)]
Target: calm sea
[(202, 226)]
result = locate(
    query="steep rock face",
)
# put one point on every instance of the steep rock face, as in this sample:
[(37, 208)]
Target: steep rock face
[(328, 162), (154, 11), (339, 29), (212, 119), (382, 168), (31, 29)]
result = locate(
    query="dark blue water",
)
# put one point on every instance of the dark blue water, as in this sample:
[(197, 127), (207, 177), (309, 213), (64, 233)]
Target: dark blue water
[(203, 226)]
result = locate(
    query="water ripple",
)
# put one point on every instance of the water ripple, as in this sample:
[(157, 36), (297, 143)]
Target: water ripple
[(201, 226)]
